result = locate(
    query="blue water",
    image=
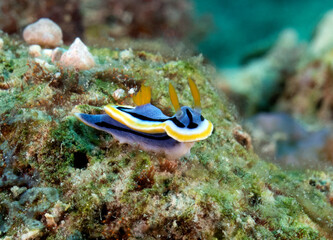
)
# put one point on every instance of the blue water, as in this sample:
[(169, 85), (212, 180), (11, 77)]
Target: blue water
[(244, 26)]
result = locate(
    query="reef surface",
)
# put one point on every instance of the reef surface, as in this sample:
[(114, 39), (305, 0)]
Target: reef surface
[(60, 179)]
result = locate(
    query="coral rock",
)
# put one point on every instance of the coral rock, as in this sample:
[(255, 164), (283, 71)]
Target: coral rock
[(16, 191), (33, 234), (56, 54), (44, 32), (1, 43), (131, 91), (323, 39), (35, 50), (44, 64), (77, 56), (118, 94), (242, 137), (126, 55), (47, 52), (260, 80), (50, 220)]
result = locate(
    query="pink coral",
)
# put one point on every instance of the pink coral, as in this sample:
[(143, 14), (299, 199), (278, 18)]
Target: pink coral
[(44, 32), (77, 56)]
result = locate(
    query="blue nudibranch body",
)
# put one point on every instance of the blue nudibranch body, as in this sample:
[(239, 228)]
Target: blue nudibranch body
[(150, 129)]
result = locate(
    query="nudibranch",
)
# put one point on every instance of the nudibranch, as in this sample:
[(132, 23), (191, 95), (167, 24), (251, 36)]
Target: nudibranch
[(146, 126)]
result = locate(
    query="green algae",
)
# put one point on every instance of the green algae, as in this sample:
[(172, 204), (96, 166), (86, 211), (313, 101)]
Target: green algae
[(105, 55), (222, 190)]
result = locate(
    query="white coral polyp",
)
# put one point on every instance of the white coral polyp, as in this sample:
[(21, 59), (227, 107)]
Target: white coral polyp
[(44, 32), (77, 56)]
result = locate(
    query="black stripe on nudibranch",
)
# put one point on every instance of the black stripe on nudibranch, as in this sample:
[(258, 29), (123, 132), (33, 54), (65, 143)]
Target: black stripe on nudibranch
[(157, 136), (144, 118), (123, 108), (139, 116), (192, 124), (177, 122)]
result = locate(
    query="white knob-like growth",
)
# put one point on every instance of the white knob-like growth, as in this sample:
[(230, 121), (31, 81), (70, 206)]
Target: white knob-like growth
[(44, 32), (77, 56)]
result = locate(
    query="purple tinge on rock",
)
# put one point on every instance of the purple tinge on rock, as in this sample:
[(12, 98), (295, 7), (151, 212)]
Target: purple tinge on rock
[(290, 144), (271, 123)]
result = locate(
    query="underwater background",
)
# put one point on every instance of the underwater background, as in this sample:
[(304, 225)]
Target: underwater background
[(264, 71), (239, 28)]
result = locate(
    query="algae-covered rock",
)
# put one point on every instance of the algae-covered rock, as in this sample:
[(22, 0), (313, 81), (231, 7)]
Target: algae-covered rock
[(323, 39), (77, 183), (255, 85), (1, 43)]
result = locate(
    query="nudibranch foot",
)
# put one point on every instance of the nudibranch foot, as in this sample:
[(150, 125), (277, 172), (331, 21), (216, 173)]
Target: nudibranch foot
[(155, 142)]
